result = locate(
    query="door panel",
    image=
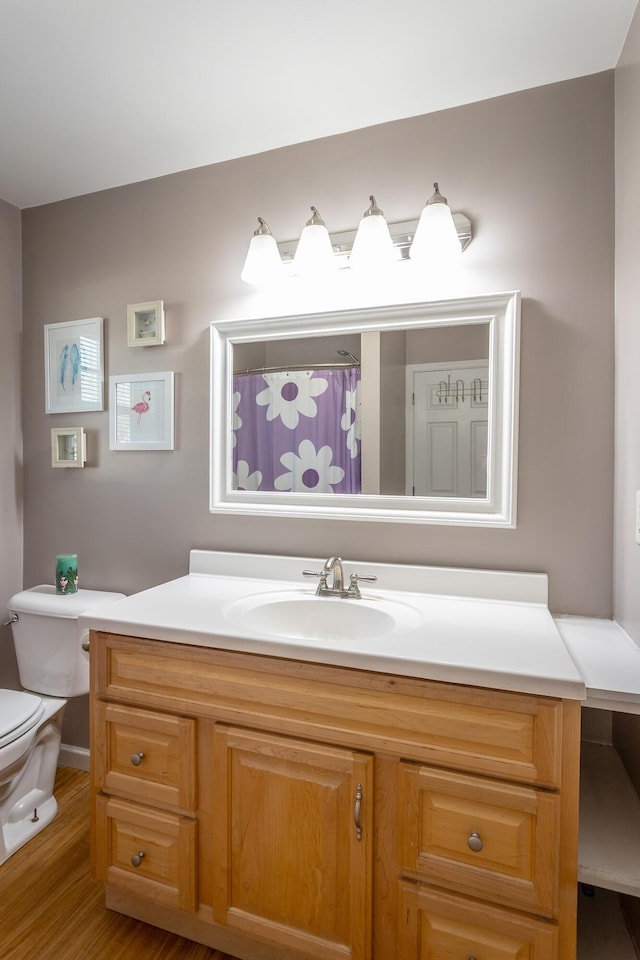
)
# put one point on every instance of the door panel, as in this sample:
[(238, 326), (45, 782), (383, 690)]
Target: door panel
[(450, 431), (289, 865)]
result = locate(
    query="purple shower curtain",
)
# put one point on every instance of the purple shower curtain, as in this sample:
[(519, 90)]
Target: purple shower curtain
[(297, 430)]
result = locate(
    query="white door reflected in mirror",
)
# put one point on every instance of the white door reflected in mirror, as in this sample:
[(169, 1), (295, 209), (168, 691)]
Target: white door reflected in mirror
[(447, 436)]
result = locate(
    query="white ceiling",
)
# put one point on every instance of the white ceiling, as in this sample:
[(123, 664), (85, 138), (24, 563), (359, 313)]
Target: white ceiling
[(98, 93)]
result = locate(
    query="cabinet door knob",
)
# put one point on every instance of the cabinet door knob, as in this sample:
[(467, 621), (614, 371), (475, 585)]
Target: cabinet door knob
[(137, 759), (136, 859), (475, 843), (356, 812)]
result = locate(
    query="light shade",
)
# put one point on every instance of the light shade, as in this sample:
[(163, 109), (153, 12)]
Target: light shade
[(314, 253), (262, 264), (373, 247), (436, 239)]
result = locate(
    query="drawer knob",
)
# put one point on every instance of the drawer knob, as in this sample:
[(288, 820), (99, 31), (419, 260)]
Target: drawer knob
[(475, 843), (137, 759), (136, 859)]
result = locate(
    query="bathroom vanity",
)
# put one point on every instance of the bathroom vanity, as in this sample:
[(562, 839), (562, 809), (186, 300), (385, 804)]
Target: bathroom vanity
[(271, 784)]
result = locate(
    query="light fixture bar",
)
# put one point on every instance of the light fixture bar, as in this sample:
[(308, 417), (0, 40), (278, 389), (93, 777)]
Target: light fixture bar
[(402, 234)]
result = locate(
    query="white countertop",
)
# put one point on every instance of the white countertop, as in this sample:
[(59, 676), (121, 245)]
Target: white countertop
[(608, 660), (485, 628)]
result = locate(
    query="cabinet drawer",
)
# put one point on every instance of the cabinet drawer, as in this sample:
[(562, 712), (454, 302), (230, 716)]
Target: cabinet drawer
[(147, 756), (497, 841), (509, 735), (439, 926), (163, 845)]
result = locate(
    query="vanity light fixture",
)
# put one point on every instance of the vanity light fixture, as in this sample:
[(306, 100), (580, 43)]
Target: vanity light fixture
[(373, 247), (436, 238), (314, 253), (263, 262)]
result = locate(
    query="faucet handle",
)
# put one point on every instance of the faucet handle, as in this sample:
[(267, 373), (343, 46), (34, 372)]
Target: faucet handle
[(354, 589), (322, 577)]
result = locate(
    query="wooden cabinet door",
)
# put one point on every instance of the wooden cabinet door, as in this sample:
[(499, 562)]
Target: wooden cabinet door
[(292, 844)]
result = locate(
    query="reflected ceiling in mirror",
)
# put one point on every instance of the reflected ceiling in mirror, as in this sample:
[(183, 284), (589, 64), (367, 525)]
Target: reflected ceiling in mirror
[(405, 412)]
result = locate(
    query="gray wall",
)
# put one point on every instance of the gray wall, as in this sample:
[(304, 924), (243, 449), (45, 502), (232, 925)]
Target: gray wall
[(10, 430), (534, 172), (626, 728), (627, 332)]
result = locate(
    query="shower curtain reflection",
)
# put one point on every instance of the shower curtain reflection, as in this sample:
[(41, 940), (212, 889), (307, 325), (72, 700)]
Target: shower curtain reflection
[(297, 430)]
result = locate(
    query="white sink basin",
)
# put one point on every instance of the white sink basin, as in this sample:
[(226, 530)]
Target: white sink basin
[(306, 616)]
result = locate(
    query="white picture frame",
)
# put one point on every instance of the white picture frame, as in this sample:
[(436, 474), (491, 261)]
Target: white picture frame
[(145, 324), (141, 411), (74, 366), (68, 447)]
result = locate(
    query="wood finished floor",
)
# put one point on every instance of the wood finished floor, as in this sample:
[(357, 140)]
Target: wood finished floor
[(50, 909)]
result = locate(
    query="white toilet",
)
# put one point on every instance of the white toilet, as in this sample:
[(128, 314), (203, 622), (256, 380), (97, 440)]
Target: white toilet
[(53, 662)]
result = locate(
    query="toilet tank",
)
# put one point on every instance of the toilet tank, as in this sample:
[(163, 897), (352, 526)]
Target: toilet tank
[(47, 639)]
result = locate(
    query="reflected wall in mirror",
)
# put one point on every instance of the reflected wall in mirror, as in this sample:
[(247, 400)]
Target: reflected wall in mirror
[(405, 412)]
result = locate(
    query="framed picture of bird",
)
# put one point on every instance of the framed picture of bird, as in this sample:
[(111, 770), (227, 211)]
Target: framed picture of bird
[(74, 366), (141, 411)]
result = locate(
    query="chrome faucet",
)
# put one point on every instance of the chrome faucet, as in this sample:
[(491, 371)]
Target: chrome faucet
[(333, 567)]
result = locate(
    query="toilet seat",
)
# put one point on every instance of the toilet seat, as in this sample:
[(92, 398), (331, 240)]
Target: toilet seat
[(19, 712)]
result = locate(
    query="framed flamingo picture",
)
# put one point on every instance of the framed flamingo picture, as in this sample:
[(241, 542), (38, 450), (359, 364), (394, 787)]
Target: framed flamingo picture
[(141, 411), (73, 366)]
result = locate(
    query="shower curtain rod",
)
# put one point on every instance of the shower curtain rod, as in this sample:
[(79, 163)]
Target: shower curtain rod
[(295, 366)]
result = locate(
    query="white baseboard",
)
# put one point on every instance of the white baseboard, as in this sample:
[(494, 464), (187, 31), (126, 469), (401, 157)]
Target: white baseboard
[(71, 756)]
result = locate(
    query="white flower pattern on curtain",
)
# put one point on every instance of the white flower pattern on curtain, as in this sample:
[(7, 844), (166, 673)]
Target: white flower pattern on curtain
[(297, 431)]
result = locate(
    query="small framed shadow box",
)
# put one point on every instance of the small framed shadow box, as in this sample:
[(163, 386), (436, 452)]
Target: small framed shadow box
[(145, 324), (68, 447)]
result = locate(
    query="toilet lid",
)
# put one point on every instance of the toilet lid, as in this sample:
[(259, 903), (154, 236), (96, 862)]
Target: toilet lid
[(19, 711)]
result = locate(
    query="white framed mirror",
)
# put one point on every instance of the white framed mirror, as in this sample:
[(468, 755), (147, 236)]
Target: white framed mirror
[(405, 413)]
